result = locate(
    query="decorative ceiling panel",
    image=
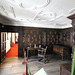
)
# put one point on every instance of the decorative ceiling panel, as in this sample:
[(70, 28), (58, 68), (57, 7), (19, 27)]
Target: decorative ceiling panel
[(37, 13)]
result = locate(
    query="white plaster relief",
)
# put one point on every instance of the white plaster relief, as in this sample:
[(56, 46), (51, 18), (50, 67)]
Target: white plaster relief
[(36, 16), (4, 10), (21, 5), (12, 10), (45, 4), (72, 11)]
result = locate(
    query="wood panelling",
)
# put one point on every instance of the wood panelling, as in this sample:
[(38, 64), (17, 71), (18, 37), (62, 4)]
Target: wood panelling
[(47, 37), (32, 37), (20, 44), (0, 43), (72, 17), (66, 37), (65, 69), (7, 28), (39, 36), (52, 36), (3, 45)]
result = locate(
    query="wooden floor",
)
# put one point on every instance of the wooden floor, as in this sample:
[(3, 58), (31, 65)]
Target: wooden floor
[(14, 66)]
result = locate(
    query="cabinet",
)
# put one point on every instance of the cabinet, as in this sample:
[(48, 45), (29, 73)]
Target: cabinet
[(3, 45), (64, 52), (65, 69)]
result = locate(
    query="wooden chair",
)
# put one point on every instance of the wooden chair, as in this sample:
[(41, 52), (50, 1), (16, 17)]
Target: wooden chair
[(42, 54)]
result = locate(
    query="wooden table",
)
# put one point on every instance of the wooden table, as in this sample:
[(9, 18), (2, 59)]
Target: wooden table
[(31, 49)]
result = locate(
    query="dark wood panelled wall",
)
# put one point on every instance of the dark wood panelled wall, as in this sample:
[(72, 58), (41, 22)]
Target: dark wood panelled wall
[(65, 69), (40, 36), (0, 43), (72, 17), (47, 36)]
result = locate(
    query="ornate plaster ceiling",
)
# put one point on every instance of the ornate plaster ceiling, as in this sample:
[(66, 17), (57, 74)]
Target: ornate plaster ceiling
[(37, 13)]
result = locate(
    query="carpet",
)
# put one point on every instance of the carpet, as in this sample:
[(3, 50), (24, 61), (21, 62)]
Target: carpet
[(13, 52)]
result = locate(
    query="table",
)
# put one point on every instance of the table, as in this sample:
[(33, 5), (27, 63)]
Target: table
[(31, 49)]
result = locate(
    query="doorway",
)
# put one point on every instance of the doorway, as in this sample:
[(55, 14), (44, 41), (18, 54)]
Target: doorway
[(11, 44)]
